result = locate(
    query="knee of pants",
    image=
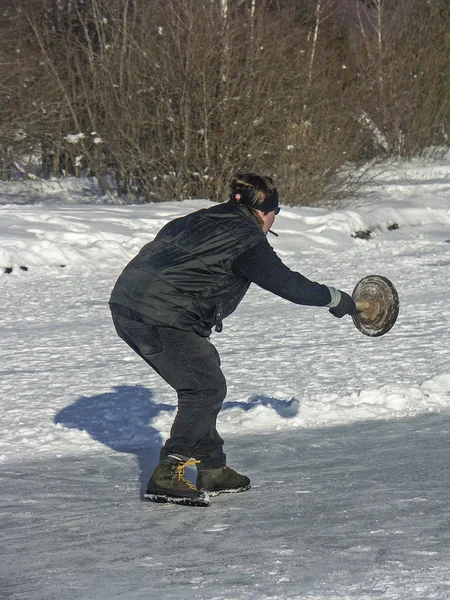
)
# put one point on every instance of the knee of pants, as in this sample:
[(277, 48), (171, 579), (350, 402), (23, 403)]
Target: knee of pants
[(215, 395)]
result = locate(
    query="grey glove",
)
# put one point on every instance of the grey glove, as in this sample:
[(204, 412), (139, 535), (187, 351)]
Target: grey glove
[(341, 303)]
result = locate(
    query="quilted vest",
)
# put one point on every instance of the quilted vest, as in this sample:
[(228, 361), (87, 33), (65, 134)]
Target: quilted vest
[(184, 277)]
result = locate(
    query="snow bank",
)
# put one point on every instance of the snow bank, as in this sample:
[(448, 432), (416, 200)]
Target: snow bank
[(38, 236), (58, 229)]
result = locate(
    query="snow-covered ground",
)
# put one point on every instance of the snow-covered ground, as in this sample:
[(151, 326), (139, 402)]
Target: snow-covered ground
[(345, 437)]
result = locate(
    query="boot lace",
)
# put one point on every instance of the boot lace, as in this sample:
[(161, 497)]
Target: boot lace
[(179, 472)]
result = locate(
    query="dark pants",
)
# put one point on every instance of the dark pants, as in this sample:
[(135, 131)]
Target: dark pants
[(191, 365)]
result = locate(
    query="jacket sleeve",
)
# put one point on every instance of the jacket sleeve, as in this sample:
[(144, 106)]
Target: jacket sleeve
[(261, 265)]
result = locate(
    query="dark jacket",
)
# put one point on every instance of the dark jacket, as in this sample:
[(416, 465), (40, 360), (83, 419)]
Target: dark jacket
[(184, 278), (199, 267)]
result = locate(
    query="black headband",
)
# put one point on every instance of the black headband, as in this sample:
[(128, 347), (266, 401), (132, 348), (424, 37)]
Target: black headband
[(247, 196), (270, 203)]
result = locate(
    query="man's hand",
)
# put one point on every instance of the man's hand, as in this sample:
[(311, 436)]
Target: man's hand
[(341, 304)]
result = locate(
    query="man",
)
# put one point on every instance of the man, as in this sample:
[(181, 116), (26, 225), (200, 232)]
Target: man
[(170, 296)]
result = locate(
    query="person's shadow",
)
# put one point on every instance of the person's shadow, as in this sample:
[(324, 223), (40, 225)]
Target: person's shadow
[(122, 420)]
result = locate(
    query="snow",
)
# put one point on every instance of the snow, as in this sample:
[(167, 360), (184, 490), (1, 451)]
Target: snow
[(75, 138), (345, 437)]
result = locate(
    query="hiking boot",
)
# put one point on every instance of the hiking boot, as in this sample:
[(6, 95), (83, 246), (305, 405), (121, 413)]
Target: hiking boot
[(221, 481), (168, 483)]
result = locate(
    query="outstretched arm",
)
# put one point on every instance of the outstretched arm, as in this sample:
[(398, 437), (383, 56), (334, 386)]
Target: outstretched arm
[(262, 266)]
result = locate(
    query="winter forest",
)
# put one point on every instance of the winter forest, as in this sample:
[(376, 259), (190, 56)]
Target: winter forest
[(165, 99)]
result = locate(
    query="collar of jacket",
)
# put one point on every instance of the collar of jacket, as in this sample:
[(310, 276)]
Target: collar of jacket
[(245, 211)]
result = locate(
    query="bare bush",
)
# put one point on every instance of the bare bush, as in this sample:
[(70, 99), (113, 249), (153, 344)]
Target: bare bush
[(404, 75), (165, 99)]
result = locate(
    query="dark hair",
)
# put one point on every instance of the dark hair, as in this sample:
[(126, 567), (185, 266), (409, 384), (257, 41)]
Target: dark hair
[(252, 190)]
